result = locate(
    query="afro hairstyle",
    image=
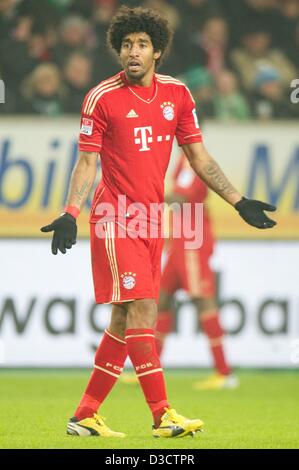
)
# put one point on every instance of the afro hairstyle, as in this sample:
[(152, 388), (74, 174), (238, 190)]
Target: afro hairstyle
[(134, 20)]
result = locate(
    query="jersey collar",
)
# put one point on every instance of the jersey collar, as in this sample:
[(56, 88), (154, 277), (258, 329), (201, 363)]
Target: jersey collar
[(134, 88)]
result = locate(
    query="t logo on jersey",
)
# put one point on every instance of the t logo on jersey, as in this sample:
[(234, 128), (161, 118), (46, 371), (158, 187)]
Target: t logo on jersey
[(146, 137)]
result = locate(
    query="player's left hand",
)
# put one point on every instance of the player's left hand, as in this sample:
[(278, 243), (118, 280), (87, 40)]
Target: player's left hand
[(252, 212)]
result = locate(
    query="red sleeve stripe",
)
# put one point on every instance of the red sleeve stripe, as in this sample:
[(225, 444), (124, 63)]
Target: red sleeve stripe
[(94, 90), (101, 85), (192, 135), (177, 82), (170, 81), (88, 143), (101, 93), (174, 81), (167, 78)]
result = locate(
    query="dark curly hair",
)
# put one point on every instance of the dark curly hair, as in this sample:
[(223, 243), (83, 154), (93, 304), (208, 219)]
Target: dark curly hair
[(134, 20)]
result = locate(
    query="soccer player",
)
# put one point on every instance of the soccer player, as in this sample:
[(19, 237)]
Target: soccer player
[(131, 119), (189, 269)]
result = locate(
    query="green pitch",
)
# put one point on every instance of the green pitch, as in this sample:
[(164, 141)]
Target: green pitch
[(262, 413)]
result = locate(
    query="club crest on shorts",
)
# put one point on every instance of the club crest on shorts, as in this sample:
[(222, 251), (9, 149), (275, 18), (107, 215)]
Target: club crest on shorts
[(128, 280), (168, 111)]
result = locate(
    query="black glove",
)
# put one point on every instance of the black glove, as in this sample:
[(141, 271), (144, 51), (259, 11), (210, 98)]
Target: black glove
[(65, 233), (252, 212)]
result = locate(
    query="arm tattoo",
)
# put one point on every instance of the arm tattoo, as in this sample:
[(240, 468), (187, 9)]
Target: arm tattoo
[(80, 193), (221, 184)]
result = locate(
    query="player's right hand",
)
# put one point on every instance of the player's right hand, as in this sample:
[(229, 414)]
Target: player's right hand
[(65, 233)]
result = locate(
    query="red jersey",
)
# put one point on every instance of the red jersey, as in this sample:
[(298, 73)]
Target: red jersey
[(133, 128), (194, 190), (187, 183)]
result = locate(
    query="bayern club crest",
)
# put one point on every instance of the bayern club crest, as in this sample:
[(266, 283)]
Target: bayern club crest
[(168, 111), (128, 280)]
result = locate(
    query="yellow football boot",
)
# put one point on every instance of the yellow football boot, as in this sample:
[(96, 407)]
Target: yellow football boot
[(91, 427), (128, 378), (217, 382), (175, 425)]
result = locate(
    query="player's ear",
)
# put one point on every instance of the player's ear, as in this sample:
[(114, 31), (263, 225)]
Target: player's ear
[(157, 55)]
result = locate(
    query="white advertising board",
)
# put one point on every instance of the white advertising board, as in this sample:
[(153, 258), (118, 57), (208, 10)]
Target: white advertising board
[(48, 316)]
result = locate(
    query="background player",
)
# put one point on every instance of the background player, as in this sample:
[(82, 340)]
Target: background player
[(131, 120), (190, 270)]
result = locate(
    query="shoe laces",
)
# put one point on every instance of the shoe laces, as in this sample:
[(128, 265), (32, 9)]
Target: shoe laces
[(172, 415), (99, 419)]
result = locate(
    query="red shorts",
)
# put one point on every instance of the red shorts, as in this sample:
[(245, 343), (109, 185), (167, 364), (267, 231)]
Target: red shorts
[(124, 268), (189, 270)]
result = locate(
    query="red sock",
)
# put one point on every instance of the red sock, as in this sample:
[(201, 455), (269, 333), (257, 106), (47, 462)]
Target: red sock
[(163, 327), (142, 352), (109, 361), (212, 328)]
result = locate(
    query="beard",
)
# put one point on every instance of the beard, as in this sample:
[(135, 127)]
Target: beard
[(135, 75)]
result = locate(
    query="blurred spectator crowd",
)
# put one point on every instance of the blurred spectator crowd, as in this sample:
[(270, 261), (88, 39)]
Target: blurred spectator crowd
[(238, 57)]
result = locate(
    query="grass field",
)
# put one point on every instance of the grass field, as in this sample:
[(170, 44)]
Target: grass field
[(262, 413)]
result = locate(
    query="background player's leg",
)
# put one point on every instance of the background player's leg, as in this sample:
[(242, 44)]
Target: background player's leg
[(165, 319), (141, 320), (210, 323), (109, 361)]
